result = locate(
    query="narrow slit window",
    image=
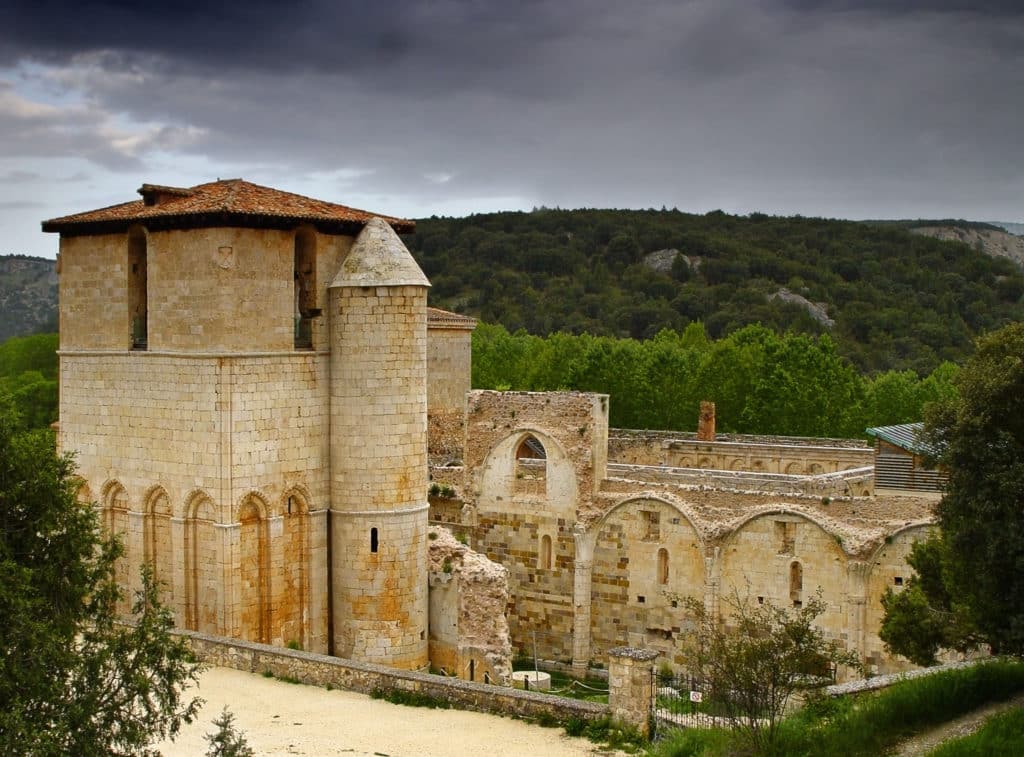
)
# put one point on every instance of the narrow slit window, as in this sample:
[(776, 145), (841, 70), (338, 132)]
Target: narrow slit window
[(663, 566), (545, 552), (373, 540), (305, 287), (796, 580), (138, 282)]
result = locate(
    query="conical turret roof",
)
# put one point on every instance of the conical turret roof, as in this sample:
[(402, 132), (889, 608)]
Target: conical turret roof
[(379, 258)]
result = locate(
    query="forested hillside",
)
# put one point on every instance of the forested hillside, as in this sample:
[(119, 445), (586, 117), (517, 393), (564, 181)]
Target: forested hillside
[(889, 299), (28, 295), (28, 376)]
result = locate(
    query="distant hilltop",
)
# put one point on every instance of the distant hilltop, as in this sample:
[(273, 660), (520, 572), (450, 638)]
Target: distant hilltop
[(28, 295), (986, 238), (1013, 228), (633, 273)]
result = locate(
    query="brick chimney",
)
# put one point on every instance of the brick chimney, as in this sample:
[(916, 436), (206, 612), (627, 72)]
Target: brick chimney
[(706, 422)]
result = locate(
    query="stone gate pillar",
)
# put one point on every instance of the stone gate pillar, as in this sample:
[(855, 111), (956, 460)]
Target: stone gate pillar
[(631, 686)]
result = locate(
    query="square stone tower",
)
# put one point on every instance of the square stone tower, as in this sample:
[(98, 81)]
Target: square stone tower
[(243, 383)]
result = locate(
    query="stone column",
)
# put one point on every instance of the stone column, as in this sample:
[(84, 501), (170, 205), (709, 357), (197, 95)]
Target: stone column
[(712, 580), (582, 571), (857, 589), (631, 686)]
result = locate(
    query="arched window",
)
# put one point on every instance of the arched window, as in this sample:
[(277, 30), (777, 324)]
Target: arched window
[(138, 305), (545, 552), (796, 581), (663, 566), (531, 466), (305, 287), (374, 544)]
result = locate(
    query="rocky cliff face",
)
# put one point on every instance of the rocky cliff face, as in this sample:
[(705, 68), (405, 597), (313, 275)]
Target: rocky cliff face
[(28, 295), (998, 244)]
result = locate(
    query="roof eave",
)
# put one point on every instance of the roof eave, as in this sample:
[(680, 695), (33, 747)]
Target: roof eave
[(208, 220)]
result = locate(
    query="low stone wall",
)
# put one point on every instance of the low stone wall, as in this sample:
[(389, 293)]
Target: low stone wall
[(863, 685), (366, 678), (669, 447), (857, 482)]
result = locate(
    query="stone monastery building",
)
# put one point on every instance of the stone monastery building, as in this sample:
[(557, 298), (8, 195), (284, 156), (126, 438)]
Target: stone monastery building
[(247, 377)]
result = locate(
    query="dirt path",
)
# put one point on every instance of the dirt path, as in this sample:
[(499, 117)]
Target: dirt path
[(289, 719), (962, 726)]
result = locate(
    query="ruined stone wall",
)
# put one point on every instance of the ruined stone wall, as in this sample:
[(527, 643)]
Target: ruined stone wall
[(648, 559), (541, 602), (632, 550), (524, 509), (446, 432), (774, 453), (469, 635), (888, 570), (853, 482), (766, 458), (784, 559)]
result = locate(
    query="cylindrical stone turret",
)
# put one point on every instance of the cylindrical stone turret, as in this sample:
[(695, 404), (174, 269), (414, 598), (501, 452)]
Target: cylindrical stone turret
[(378, 438)]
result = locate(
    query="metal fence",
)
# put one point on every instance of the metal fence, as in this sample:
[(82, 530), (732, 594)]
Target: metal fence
[(681, 701)]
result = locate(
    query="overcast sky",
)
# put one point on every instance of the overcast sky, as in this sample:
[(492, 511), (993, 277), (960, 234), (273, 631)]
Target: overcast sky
[(869, 109)]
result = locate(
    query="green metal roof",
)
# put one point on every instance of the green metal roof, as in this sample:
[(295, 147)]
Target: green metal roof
[(906, 436)]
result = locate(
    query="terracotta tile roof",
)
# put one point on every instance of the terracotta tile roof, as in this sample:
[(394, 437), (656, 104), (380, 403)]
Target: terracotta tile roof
[(231, 202), (446, 319)]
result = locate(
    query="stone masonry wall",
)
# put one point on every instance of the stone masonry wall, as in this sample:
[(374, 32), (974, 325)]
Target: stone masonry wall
[(176, 448), (368, 678), (94, 292)]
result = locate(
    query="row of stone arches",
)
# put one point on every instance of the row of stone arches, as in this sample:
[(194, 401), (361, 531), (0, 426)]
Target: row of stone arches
[(649, 558), (249, 578)]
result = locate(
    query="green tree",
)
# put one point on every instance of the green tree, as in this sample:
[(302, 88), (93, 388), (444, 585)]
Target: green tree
[(74, 679), (925, 617), (227, 741), (755, 659), (970, 583), (981, 516)]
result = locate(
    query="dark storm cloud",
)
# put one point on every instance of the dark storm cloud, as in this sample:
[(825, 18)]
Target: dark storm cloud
[(833, 106), (457, 38)]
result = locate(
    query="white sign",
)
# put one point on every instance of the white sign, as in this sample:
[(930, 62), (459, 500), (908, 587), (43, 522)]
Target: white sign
[(696, 696)]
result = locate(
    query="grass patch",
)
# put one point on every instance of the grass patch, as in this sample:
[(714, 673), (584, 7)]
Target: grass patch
[(608, 732), (411, 698), (1001, 736), (692, 742), (870, 724)]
